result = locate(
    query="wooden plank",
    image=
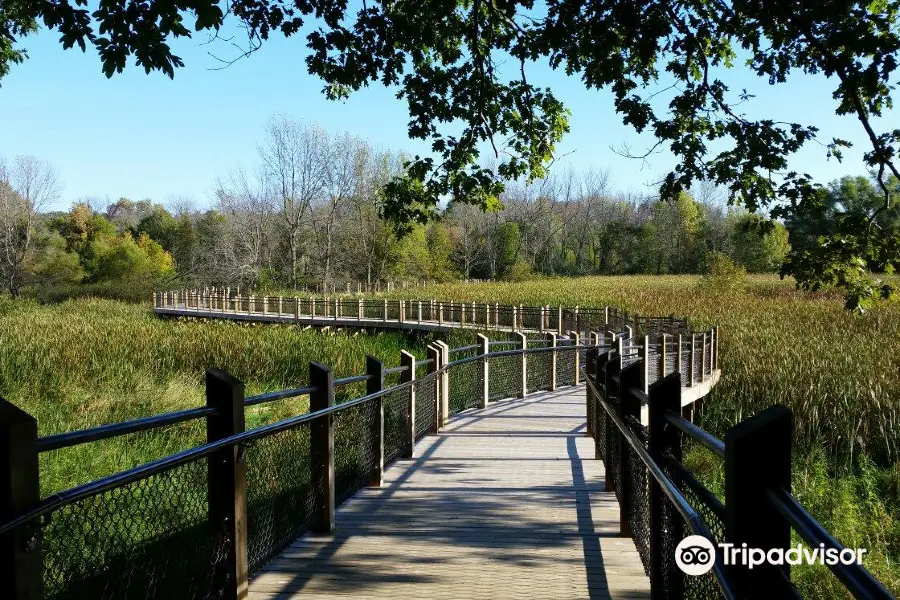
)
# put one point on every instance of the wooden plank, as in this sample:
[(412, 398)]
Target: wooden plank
[(507, 502)]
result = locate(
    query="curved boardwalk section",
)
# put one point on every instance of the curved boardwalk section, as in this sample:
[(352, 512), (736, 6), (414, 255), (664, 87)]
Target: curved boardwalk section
[(506, 502)]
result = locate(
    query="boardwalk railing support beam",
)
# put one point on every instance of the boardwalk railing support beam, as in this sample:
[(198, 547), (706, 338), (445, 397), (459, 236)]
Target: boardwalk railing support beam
[(590, 403), (613, 370), (434, 355), (374, 384), (483, 350), (758, 458), (600, 419), (321, 444), (409, 361), (665, 395), (576, 341), (629, 406), (226, 483), (20, 549), (444, 383), (523, 344)]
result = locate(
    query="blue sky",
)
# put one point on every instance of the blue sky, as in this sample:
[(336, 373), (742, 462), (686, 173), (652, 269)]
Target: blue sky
[(145, 136)]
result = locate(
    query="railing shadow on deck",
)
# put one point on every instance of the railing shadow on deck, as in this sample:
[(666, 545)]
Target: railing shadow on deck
[(484, 535)]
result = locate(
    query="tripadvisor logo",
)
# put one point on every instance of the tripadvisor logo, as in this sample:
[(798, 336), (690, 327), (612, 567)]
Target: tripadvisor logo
[(695, 555)]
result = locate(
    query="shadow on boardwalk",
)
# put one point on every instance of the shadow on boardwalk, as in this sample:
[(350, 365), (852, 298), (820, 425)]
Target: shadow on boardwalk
[(506, 502)]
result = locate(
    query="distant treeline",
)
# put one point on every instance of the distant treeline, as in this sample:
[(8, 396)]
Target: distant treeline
[(308, 214)]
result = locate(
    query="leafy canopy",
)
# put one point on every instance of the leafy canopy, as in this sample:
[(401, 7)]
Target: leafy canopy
[(461, 67)]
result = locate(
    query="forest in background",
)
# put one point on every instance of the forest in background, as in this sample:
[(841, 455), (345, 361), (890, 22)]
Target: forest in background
[(308, 213)]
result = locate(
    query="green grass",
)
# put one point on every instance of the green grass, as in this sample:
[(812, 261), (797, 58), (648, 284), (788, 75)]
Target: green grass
[(89, 362), (84, 363)]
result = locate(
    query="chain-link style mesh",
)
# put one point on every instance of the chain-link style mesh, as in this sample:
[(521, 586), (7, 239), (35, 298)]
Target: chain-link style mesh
[(396, 423), (148, 539), (539, 367), (280, 498), (505, 376), (354, 448), (638, 490), (426, 403), (565, 363), (466, 386)]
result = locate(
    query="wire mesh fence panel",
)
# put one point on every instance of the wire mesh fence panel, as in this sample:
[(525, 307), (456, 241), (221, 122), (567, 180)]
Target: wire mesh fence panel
[(565, 364), (539, 367), (466, 386), (638, 484), (505, 376), (354, 448), (671, 531), (280, 498), (396, 423), (151, 538), (426, 400)]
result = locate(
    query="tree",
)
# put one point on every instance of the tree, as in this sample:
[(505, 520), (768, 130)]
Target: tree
[(26, 185), (824, 232), (443, 59), (758, 245)]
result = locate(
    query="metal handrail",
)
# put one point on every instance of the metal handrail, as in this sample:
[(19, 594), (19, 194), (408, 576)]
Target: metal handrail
[(855, 577), (103, 432), (704, 438), (167, 463), (279, 395), (669, 489)]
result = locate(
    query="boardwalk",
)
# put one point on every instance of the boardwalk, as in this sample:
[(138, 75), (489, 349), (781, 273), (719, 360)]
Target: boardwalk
[(506, 502)]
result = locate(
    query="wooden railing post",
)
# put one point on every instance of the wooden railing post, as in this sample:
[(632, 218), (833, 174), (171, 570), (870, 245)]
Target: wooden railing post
[(409, 361), (716, 348), (613, 369), (20, 549), (434, 355), (226, 486), (600, 452), (758, 458), (483, 350), (551, 337), (590, 369), (514, 328), (665, 395), (374, 384), (445, 383), (576, 340), (440, 313), (703, 359), (523, 343), (663, 355), (321, 443), (559, 320), (384, 312), (691, 364), (629, 406)]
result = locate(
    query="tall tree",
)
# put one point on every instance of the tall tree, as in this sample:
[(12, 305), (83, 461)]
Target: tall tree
[(26, 185)]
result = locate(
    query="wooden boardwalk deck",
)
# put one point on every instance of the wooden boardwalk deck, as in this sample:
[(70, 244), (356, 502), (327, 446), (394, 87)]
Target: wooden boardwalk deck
[(507, 502)]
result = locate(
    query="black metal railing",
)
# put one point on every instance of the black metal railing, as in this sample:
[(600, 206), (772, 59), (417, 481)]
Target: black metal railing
[(639, 429), (197, 523)]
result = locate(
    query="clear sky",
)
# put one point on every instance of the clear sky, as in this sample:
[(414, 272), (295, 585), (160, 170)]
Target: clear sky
[(145, 136)]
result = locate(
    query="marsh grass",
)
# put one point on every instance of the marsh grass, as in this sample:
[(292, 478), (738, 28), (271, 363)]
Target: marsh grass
[(839, 372), (84, 363)]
